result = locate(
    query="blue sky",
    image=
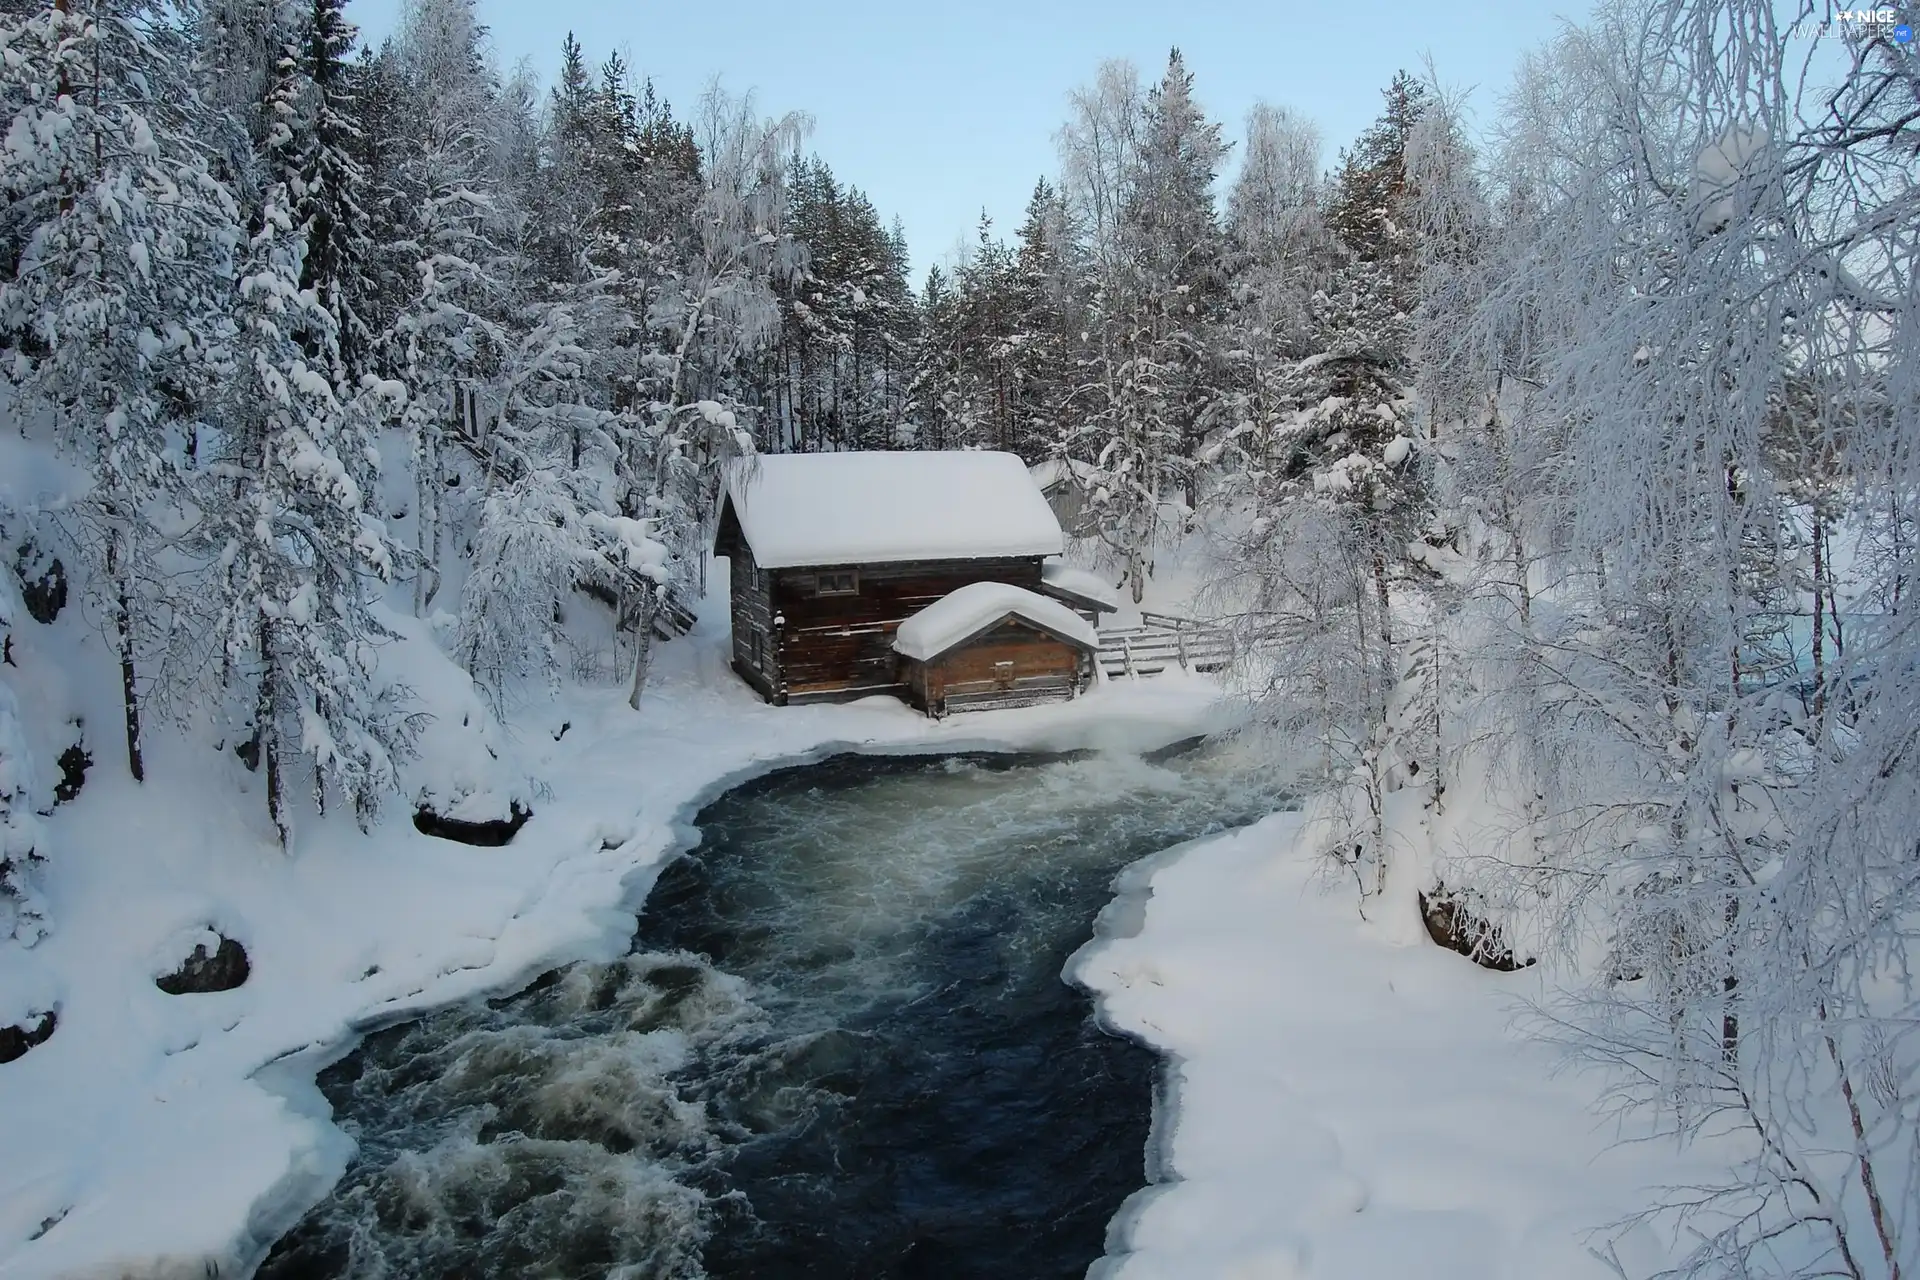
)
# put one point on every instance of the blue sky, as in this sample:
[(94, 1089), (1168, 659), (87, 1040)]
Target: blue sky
[(937, 110)]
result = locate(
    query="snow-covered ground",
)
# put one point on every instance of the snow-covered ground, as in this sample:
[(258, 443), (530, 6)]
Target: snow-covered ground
[(1345, 1100), (1348, 1099)]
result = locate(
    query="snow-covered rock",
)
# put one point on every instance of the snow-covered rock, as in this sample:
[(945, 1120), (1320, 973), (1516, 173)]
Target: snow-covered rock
[(217, 963)]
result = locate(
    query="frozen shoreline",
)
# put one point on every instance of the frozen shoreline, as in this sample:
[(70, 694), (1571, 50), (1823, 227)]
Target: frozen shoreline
[(157, 1135), (1342, 1099)]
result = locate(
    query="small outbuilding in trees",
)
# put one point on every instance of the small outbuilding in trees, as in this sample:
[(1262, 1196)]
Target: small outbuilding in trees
[(993, 645)]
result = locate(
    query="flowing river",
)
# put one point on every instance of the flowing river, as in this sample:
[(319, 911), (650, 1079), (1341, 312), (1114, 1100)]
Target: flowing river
[(841, 1047)]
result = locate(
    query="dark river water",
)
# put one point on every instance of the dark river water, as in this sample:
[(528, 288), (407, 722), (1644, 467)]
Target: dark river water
[(841, 1047)]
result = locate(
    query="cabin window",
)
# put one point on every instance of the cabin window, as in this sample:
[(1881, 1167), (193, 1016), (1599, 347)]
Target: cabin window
[(843, 582)]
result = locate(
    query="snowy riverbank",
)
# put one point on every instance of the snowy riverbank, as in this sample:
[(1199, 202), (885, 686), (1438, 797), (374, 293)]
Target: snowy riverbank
[(141, 1142), (1347, 1100), (1343, 1099)]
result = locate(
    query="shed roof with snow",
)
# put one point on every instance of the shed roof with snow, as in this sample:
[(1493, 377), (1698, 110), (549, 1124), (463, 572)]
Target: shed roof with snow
[(1078, 587), (1057, 471), (973, 610), (797, 510)]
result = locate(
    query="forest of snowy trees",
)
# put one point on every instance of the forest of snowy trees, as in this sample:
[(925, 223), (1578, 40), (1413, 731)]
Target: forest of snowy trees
[(1575, 459)]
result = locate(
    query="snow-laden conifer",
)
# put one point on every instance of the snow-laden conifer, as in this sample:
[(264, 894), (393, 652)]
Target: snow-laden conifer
[(124, 241)]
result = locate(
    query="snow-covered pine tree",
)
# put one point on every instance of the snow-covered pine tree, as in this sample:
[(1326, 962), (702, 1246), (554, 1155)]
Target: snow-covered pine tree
[(446, 339), (386, 281), (1367, 204), (606, 420), (1139, 170), (124, 238), (719, 313), (933, 392), (1106, 425), (331, 187), (1281, 255), (998, 362), (1320, 455), (569, 342), (294, 548), (239, 48), (1178, 256), (894, 329), (1048, 290), (542, 433), (1351, 443), (848, 323), (988, 304), (563, 199)]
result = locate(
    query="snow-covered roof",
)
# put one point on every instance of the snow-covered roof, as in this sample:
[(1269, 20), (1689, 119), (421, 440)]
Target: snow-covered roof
[(800, 509), (1054, 470), (981, 606), (1057, 577)]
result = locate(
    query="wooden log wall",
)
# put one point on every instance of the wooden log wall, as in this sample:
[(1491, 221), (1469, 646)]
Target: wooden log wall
[(842, 645), (755, 641), (1013, 665)]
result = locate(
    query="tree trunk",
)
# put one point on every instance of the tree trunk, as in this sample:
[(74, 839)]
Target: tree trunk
[(1437, 780), (1384, 600), (643, 648), (426, 584), (1522, 578), (129, 691), (1819, 624), (269, 730), (117, 568), (1673, 657), (1729, 1019)]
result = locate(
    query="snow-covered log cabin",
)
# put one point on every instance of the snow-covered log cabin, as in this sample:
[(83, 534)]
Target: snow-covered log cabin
[(831, 552), (990, 644)]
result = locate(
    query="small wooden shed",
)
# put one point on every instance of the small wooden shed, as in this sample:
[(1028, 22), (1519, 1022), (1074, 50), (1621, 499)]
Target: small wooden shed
[(992, 645), (831, 552), (1068, 486)]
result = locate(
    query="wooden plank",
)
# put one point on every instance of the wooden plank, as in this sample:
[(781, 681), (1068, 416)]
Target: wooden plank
[(845, 693)]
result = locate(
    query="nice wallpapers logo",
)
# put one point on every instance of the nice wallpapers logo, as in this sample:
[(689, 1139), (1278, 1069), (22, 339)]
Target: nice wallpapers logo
[(1889, 23)]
